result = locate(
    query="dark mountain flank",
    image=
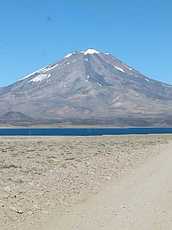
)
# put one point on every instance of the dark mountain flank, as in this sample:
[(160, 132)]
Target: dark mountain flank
[(88, 88)]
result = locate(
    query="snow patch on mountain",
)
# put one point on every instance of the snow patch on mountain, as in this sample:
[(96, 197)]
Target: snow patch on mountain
[(120, 69), (68, 55), (48, 68), (40, 77), (99, 84), (147, 79), (32, 74), (40, 71)]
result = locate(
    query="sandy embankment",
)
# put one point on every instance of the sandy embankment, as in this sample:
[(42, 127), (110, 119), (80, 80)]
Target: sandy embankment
[(86, 183)]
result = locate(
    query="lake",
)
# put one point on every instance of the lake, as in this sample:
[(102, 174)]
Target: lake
[(80, 131)]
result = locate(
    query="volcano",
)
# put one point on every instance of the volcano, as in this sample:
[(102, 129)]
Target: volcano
[(88, 88)]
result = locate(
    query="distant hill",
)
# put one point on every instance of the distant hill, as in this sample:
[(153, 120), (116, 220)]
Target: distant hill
[(15, 117), (88, 88)]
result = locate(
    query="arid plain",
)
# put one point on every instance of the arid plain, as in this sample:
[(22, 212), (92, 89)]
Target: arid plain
[(62, 183)]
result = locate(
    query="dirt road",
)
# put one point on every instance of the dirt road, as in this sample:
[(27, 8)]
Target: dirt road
[(141, 200)]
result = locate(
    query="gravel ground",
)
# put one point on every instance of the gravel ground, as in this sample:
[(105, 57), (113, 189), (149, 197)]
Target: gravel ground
[(42, 174)]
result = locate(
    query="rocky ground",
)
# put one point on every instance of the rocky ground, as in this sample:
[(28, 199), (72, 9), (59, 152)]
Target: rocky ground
[(42, 174)]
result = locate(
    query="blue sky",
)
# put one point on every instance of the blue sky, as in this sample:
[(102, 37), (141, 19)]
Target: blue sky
[(34, 33)]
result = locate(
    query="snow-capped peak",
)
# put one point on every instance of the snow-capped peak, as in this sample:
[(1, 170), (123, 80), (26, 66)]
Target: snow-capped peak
[(91, 51), (85, 52)]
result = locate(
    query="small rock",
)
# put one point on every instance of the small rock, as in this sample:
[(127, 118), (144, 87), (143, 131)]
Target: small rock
[(19, 212)]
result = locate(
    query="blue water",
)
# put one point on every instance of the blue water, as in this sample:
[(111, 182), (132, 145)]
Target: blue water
[(80, 131)]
